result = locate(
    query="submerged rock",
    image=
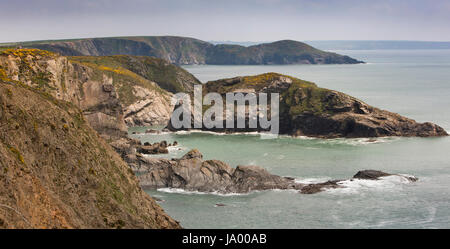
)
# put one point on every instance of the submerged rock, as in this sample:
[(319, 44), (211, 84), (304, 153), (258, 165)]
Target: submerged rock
[(319, 187), (375, 175)]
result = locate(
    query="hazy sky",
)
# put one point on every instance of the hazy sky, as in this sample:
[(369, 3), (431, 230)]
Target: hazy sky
[(236, 20)]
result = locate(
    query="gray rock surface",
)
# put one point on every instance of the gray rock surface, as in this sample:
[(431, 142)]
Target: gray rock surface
[(192, 173)]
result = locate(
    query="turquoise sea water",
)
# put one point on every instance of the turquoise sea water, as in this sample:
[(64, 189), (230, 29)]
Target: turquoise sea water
[(414, 83)]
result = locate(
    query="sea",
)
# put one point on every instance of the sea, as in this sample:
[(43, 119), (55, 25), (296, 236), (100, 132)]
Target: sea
[(413, 83)]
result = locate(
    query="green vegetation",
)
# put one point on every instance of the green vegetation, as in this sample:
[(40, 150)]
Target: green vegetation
[(25, 52), (300, 98), (143, 69), (18, 155)]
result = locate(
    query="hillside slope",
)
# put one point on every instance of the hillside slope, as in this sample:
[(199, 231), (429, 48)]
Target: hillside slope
[(55, 171), (184, 51)]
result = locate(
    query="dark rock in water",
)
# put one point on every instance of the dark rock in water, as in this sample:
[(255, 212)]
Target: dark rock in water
[(220, 205), (147, 144), (156, 148), (175, 143), (370, 174), (319, 187), (375, 175), (192, 173)]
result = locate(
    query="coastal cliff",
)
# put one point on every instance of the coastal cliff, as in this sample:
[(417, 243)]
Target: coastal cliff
[(185, 51), (56, 172), (113, 92)]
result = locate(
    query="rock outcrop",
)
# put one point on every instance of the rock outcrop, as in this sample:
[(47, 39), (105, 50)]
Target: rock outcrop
[(308, 110), (56, 172), (184, 50), (192, 173)]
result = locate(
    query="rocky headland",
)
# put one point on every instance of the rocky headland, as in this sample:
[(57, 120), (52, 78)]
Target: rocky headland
[(308, 110), (184, 50)]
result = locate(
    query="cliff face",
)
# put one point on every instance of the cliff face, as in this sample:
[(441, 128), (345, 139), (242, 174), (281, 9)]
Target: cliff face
[(55, 171), (184, 51), (308, 110), (74, 83), (109, 93)]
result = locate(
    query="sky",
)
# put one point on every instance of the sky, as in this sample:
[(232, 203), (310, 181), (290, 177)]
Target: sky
[(232, 20)]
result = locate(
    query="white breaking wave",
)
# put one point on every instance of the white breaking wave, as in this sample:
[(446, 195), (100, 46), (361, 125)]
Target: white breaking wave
[(358, 141), (188, 192), (172, 149), (386, 183), (312, 180), (215, 133)]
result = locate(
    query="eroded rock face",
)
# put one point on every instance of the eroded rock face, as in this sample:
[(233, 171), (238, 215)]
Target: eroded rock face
[(111, 98), (192, 173), (152, 108), (75, 83)]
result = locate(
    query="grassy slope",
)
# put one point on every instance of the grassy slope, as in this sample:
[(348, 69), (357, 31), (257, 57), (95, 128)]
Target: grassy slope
[(55, 172)]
